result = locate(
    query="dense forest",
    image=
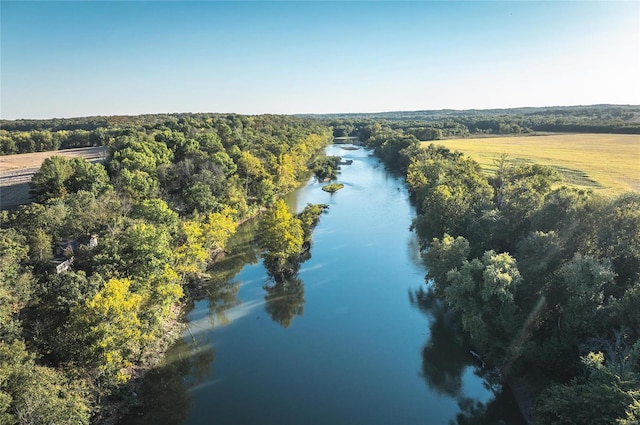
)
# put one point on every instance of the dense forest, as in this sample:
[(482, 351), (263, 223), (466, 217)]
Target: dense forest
[(543, 278), (92, 273), (22, 136), (433, 125)]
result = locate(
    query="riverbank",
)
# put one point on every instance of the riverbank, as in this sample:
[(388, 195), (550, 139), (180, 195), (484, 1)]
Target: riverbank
[(311, 338), (113, 411), (520, 242)]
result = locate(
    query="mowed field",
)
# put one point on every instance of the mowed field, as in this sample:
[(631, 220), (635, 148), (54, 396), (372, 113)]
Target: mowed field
[(34, 160), (16, 171), (605, 163)]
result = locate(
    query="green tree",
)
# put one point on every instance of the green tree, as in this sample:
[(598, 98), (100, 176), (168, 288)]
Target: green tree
[(40, 246), (521, 194), (217, 228), (210, 143), (310, 217), (600, 396), (88, 177), (619, 238), (251, 170), (16, 282), (43, 141), (483, 291), (444, 255), (136, 184), (577, 294), (157, 212), (326, 168), (281, 237), (59, 176), (223, 160), (451, 191), (138, 153), (51, 217), (145, 249), (24, 142), (7, 145), (48, 397), (539, 257), (199, 197), (190, 256), (287, 173), (32, 394), (51, 179), (87, 214)]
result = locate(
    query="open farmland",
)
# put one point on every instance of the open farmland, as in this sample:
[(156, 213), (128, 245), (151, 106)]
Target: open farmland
[(604, 163), (16, 171), (35, 159)]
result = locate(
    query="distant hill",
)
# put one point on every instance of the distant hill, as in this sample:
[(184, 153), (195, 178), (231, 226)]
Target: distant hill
[(626, 113)]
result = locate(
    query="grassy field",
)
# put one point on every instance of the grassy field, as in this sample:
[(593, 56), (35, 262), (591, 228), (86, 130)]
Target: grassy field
[(34, 160), (604, 163), (16, 172)]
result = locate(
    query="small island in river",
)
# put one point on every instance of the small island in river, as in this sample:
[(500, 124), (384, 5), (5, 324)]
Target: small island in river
[(333, 187)]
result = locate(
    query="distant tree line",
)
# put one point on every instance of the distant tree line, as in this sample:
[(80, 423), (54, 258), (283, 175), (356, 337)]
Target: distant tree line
[(434, 125), (544, 279), (139, 233), (23, 136)]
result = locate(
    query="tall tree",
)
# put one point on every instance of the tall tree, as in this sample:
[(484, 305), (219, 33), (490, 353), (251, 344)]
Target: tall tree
[(281, 237), (51, 180), (108, 330), (483, 290)]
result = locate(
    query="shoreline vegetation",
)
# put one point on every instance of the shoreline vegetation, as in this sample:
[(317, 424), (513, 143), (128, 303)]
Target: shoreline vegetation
[(333, 187), (285, 238), (541, 275), (159, 211)]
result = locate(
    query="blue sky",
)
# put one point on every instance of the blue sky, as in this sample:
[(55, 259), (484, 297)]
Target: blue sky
[(65, 59)]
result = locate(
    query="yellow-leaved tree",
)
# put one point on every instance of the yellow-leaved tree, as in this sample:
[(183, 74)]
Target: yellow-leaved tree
[(218, 228), (202, 238), (190, 256), (164, 291), (107, 328), (281, 237)]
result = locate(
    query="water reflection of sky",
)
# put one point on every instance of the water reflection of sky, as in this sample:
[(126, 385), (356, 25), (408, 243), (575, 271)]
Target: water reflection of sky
[(208, 322), (344, 343)]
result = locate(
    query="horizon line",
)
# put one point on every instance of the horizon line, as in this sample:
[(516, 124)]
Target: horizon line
[(311, 114)]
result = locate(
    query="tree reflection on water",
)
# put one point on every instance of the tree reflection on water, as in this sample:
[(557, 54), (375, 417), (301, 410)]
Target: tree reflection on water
[(163, 394), (284, 300), (220, 290), (445, 357)]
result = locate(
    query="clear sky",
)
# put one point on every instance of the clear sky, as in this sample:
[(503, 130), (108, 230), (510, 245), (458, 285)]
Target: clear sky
[(66, 59)]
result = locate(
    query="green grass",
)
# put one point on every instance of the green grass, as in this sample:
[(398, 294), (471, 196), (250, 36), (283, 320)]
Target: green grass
[(604, 163)]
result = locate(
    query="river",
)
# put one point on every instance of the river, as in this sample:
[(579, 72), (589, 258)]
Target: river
[(354, 340)]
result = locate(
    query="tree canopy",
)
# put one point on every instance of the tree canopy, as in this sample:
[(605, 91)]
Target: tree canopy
[(542, 277), (136, 235)]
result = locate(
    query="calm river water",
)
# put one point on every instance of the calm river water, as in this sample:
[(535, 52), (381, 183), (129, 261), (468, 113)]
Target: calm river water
[(353, 341)]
